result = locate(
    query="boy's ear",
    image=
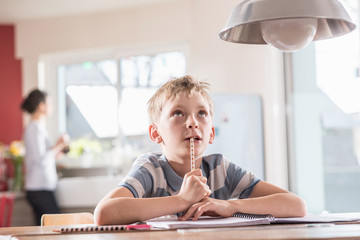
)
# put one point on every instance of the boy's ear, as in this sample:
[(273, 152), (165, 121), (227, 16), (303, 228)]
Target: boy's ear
[(154, 133), (212, 135)]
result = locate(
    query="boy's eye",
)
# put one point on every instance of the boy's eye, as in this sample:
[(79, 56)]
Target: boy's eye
[(178, 114), (202, 113)]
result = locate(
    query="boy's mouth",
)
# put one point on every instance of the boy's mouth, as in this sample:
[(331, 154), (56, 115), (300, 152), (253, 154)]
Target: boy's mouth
[(195, 138)]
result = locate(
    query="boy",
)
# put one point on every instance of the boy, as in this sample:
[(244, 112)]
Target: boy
[(163, 183)]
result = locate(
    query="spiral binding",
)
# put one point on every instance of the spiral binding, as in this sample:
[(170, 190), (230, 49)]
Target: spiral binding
[(94, 229), (252, 216)]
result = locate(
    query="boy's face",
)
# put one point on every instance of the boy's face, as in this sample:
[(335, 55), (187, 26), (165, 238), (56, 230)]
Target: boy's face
[(181, 119)]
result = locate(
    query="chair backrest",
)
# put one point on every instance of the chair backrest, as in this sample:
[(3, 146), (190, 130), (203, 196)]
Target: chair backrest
[(67, 219), (6, 208)]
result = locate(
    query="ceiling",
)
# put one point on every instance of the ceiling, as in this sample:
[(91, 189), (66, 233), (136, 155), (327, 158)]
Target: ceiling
[(12, 11)]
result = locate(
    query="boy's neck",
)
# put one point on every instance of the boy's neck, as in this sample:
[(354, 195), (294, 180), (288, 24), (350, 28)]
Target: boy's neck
[(180, 168)]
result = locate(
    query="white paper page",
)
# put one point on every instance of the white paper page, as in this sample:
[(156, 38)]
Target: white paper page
[(205, 222), (7, 237)]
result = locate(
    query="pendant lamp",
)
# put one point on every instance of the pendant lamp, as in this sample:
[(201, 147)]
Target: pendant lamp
[(288, 25)]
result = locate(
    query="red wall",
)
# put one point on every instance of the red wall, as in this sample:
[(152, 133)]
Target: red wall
[(10, 87)]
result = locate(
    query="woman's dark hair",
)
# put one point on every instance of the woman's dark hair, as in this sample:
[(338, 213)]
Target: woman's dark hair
[(32, 101)]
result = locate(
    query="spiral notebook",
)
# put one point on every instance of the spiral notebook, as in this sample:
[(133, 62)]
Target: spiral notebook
[(206, 222), (237, 220), (245, 219)]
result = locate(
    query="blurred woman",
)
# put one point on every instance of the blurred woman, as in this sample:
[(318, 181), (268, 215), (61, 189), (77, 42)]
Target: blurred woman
[(41, 176)]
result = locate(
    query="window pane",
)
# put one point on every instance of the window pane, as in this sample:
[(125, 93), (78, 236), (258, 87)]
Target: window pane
[(151, 70), (143, 69), (133, 117), (92, 109), (140, 77), (90, 73), (91, 99), (167, 65), (135, 70), (338, 81), (326, 110)]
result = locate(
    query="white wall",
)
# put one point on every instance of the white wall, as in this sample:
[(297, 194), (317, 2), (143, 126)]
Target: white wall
[(230, 68)]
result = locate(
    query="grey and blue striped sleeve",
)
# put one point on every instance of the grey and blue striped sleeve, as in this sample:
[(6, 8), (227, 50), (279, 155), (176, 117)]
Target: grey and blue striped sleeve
[(227, 180), (139, 179), (145, 177), (242, 181)]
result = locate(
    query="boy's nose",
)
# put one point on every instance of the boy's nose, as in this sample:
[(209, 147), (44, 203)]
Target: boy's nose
[(192, 123)]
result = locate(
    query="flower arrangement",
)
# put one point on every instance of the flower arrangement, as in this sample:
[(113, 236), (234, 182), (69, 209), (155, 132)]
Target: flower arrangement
[(16, 153)]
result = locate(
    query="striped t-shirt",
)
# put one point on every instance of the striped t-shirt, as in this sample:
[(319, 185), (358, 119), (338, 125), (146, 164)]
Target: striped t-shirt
[(152, 176)]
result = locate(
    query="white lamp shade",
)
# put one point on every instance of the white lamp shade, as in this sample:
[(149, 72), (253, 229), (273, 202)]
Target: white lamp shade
[(253, 21)]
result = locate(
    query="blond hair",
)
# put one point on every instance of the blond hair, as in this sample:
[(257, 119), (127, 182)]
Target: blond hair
[(172, 89)]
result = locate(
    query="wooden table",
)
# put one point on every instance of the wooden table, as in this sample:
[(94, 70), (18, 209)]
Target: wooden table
[(294, 231)]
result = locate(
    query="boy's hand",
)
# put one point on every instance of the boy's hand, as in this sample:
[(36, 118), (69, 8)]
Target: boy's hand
[(194, 187), (209, 207)]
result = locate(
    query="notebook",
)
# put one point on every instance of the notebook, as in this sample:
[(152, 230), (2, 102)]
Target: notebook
[(245, 219), (237, 220), (205, 222), (321, 218)]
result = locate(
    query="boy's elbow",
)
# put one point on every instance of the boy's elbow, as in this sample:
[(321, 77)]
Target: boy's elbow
[(302, 208), (100, 216)]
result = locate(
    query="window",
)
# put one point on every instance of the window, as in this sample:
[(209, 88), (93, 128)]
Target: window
[(102, 105), (325, 103), (107, 99)]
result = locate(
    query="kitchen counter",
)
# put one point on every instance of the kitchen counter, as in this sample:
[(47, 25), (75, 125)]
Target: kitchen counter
[(84, 192)]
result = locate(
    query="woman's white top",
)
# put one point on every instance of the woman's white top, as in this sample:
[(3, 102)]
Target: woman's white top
[(39, 158)]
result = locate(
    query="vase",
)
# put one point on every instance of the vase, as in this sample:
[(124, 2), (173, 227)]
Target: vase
[(18, 177)]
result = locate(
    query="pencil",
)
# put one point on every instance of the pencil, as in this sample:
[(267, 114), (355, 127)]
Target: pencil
[(192, 153)]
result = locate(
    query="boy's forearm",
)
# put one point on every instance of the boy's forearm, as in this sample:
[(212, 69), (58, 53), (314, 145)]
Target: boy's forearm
[(278, 205), (130, 210)]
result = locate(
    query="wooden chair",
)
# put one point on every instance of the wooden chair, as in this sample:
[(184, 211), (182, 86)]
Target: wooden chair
[(67, 219)]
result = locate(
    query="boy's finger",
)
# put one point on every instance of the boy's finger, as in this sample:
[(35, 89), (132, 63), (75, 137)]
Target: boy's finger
[(203, 179), (208, 191), (196, 172), (189, 213)]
